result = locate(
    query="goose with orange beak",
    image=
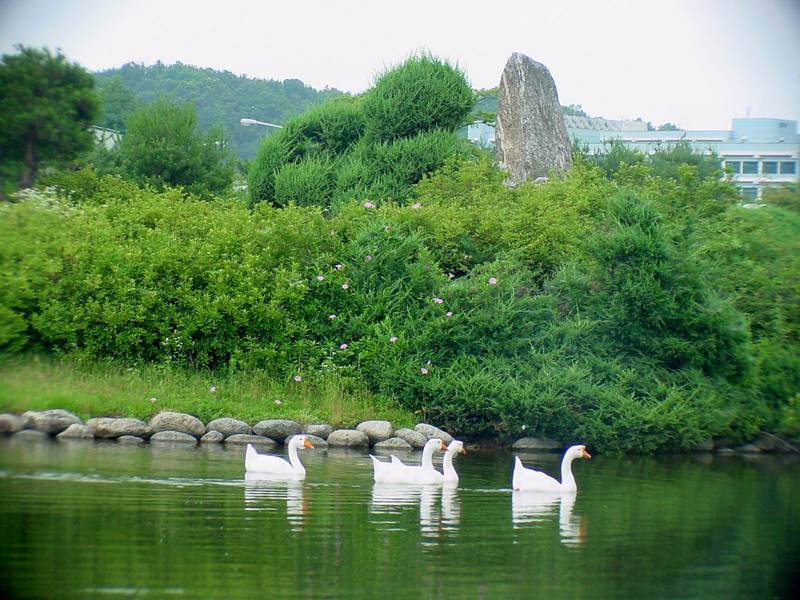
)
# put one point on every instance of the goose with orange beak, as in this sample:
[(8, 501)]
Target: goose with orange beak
[(275, 465), (531, 480)]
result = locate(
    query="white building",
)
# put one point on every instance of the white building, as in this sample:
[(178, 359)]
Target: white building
[(757, 152)]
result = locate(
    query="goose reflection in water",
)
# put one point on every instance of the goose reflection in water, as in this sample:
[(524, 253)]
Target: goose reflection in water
[(390, 500), (537, 507), (261, 490)]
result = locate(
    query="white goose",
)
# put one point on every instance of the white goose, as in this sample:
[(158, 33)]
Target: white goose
[(395, 471), (275, 465), (530, 480), (455, 447)]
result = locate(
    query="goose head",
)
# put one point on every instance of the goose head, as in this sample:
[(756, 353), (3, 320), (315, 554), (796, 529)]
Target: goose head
[(300, 441), (578, 451), (456, 447), (435, 445)]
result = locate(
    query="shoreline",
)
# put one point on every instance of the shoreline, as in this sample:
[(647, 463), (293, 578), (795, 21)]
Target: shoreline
[(185, 429)]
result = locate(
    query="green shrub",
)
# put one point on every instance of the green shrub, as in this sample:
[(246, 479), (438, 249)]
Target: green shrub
[(305, 183), (422, 94), (273, 154)]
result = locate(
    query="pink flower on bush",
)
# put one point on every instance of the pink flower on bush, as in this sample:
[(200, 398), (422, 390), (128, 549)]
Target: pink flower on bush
[(337, 266), (449, 313), (369, 205), (343, 347), (332, 317), (492, 281), (320, 277), (416, 205), (278, 402), (213, 389), (451, 276), (368, 258), (345, 286), (438, 301), (298, 379), (424, 371), (393, 339)]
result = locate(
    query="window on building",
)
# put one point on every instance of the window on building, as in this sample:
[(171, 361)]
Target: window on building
[(769, 167), (734, 165), (750, 192), (788, 167), (750, 167)]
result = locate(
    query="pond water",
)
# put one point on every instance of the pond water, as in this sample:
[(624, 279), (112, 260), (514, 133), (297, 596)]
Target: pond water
[(86, 520)]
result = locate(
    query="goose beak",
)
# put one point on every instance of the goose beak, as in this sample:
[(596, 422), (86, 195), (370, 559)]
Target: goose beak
[(463, 450), (442, 446), (585, 454), (307, 444)]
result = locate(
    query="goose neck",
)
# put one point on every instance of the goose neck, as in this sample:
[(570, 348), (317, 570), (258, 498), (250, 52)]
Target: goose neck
[(567, 479), (294, 460), (448, 469)]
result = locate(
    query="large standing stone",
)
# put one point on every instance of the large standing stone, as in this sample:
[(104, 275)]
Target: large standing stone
[(348, 438), (50, 422), (430, 432), (277, 429), (377, 431), (175, 421), (227, 426), (531, 134), (110, 428)]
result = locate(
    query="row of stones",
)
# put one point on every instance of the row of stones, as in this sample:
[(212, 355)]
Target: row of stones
[(183, 428)]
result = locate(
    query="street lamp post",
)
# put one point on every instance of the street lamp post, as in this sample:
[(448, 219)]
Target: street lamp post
[(247, 122)]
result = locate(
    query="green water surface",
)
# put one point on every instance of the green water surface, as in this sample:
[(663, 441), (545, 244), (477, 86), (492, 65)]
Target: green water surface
[(99, 520)]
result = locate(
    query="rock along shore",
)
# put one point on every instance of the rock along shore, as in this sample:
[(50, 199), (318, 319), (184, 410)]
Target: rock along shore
[(184, 429)]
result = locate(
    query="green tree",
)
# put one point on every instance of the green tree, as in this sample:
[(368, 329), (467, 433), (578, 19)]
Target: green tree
[(46, 107), (116, 102), (669, 127), (162, 147)]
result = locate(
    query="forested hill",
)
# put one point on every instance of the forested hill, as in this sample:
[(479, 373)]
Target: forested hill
[(219, 97)]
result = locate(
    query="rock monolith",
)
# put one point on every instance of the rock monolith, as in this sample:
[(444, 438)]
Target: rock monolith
[(531, 135)]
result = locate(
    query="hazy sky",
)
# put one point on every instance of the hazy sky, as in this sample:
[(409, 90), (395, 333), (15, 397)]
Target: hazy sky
[(697, 63)]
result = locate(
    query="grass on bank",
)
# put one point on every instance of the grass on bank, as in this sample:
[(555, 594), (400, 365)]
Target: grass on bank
[(97, 389)]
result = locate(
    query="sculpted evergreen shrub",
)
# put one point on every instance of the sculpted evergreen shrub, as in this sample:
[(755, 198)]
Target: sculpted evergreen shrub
[(421, 102), (305, 183), (422, 94)]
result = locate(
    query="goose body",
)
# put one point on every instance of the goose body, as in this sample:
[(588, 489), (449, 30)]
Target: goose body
[(275, 465), (395, 471), (531, 480)]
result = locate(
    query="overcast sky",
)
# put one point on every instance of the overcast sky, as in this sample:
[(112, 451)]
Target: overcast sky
[(697, 63)]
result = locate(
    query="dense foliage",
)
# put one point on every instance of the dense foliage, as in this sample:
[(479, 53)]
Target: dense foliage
[(638, 312), (163, 148), (219, 98), (46, 107), (371, 148)]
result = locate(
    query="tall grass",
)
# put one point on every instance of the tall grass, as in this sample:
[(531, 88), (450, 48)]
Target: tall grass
[(93, 389)]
